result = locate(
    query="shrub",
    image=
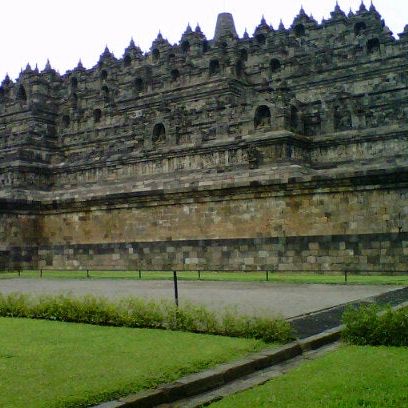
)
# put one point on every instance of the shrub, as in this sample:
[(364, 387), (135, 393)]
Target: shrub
[(140, 313), (366, 326), (14, 305), (256, 327), (192, 318), (133, 312)]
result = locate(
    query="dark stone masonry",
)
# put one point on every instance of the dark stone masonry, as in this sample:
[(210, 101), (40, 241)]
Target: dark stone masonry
[(286, 150)]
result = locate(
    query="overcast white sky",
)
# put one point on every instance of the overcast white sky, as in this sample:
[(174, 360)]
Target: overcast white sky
[(64, 31)]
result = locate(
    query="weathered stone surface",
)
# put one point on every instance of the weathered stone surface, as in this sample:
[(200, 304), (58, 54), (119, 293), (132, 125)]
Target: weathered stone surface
[(287, 150)]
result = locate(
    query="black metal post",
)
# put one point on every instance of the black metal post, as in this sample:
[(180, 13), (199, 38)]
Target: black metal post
[(267, 275), (19, 273), (345, 276), (140, 274), (41, 273), (87, 273), (199, 275), (175, 288)]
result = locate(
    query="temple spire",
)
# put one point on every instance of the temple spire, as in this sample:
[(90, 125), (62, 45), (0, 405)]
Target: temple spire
[(6, 81), (188, 29), (197, 30), (337, 13), (47, 67), (225, 26)]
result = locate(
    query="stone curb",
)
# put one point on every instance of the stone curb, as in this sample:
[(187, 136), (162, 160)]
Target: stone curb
[(207, 380), (198, 383), (401, 305)]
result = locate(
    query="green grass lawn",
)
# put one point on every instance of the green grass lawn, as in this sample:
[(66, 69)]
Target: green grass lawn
[(54, 364), (351, 377), (331, 278)]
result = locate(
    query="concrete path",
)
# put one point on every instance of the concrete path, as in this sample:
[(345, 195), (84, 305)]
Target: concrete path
[(255, 298), (320, 321)]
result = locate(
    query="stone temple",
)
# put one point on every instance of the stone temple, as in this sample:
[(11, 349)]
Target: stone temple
[(285, 150)]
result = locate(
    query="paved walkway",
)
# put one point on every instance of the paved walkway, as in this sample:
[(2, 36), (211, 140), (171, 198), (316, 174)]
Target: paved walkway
[(320, 321), (255, 298)]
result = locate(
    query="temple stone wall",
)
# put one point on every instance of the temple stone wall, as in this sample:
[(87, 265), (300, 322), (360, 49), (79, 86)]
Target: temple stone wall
[(360, 145), (284, 150), (237, 216), (321, 231), (18, 230), (19, 239), (386, 252)]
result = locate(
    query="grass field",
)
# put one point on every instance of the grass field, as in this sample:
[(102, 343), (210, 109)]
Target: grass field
[(351, 377), (218, 276), (54, 364)]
